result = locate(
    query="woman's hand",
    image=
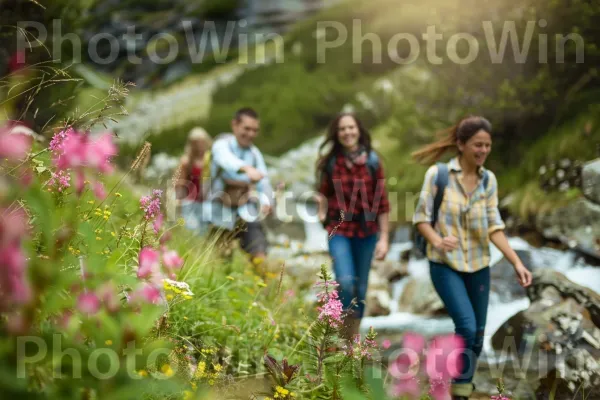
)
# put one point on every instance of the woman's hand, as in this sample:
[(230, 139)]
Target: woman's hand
[(523, 275), (381, 249), (322, 215), (448, 243)]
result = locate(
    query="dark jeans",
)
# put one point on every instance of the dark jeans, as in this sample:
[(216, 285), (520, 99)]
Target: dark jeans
[(351, 264), (466, 297)]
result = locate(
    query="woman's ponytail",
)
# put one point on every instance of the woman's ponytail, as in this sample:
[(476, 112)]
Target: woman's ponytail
[(434, 151), (448, 138)]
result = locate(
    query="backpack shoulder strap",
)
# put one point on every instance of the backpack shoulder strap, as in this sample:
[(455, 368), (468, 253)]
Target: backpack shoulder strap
[(441, 182), (486, 179), (329, 166), (373, 163)]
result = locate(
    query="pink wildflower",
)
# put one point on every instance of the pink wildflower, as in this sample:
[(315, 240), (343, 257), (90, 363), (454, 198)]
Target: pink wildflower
[(60, 181), (79, 150), (14, 286), (13, 224), (13, 146), (499, 397), (332, 309), (99, 191), (88, 303), (151, 205), (56, 144), (100, 152), (157, 224), (148, 263), (439, 389), (443, 360), (171, 259), (414, 342), (408, 387), (386, 344), (148, 293)]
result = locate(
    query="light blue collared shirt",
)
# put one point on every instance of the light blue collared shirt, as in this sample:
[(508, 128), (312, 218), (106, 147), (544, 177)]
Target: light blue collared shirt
[(227, 159)]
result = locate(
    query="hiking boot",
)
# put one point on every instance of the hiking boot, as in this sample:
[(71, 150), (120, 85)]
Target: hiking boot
[(462, 391)]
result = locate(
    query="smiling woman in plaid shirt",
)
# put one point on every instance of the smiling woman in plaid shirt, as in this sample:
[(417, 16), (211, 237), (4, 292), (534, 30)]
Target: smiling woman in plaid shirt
[(458, 245), (352, 185)]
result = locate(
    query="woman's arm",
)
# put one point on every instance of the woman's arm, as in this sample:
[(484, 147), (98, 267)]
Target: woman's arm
[(323, 190), (500, 241), (497, 236), (424, 211), (382, 205), (448, 243), (383, 247)]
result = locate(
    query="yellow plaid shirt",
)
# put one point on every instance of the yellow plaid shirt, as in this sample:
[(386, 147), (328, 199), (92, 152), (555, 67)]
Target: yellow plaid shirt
[(470, 219)]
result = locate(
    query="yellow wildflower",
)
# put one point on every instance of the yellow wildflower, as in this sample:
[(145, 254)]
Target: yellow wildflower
[(200, 370), (257, 260), (108, 342), (142, 373), (167, 370), (282, 390)]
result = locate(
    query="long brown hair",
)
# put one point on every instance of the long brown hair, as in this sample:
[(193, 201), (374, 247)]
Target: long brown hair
[(464, 130), (364, 139)]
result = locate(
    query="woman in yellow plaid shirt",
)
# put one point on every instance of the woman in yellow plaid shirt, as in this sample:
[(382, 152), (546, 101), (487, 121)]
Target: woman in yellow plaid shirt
[(458, 243)]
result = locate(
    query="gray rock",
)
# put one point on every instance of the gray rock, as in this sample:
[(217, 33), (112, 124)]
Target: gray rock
[(557, 335), (378, 295), (419, 297), (503, 278), (591, 181), (576, 225), (390, 270)]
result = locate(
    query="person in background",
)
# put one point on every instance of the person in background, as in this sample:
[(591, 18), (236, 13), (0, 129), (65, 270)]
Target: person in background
[(458, 245), (351, 180), (241, 193), (193, 174)]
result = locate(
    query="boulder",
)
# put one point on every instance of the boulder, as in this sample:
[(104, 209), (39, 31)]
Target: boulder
[(391, 270), (419, 297), (576, 225), (590, 180), (378, 295), (504, 280), (557, 337)]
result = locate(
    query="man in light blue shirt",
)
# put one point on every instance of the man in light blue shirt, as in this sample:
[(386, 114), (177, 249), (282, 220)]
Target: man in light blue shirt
[(240, 191)]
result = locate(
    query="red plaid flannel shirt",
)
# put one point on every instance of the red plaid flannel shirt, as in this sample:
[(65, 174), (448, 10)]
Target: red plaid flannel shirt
[(354, 190)]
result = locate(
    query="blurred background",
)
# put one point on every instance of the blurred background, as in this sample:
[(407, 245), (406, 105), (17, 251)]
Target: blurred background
[(282, 58)]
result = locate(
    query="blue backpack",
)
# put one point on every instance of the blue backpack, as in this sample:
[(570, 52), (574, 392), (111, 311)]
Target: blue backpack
[(441, 182)]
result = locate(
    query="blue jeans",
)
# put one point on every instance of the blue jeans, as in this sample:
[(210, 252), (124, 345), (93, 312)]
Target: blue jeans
[(351, 264), (466, 297)]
